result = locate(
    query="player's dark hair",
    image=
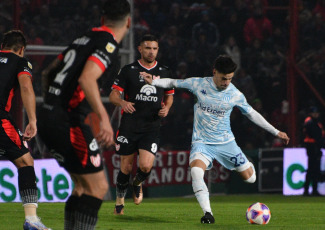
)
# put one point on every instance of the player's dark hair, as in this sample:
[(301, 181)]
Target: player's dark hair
[(224, 64), (14, 39), (116, 10), (148, 37)]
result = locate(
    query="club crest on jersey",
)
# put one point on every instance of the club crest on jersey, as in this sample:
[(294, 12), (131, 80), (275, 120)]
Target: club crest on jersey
[(95, 160), (141, 78), (30, 65), (122, 139), (110, 47), (145, 93), (226, 98)]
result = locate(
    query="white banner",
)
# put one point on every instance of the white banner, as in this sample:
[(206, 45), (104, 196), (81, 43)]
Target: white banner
[(295, 162), (53, 182)]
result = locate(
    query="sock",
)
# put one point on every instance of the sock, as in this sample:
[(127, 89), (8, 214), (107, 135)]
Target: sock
[(200, 189), (69, 212), (28, 190), (122, 183), (140, 177), (252, 179), (86, 214)]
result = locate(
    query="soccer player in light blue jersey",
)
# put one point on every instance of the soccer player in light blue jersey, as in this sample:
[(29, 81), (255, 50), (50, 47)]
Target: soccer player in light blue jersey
[(212, 137)]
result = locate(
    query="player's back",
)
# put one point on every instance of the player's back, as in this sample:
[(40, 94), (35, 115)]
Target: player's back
[(11, 66), (97, 45)]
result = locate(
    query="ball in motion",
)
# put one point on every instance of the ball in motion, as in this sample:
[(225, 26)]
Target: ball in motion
[(258, 213)]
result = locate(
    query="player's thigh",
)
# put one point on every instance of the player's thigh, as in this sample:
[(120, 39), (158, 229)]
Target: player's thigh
[(201, 156), (12, 145), (231, 156)]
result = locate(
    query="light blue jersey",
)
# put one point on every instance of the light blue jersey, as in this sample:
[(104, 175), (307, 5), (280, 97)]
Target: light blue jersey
[(212, 109)]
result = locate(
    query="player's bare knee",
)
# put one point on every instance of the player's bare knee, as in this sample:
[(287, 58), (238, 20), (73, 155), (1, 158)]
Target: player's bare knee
[(145, 168)]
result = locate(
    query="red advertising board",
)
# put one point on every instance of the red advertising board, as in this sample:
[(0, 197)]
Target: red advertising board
[(170, 167)]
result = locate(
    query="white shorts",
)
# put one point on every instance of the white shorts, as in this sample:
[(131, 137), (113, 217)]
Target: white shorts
[(229, 155)]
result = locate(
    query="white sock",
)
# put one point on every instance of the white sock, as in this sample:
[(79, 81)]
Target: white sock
[(32, 218), (200, 189)]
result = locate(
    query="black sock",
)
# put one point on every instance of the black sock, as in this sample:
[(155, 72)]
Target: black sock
[(122, 183), (27, 184), (86, 214), (140, 177), (69, 212)]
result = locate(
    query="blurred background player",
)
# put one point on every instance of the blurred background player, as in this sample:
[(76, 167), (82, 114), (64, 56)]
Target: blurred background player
[(72, 94), (212, 136), (16, 71), (143, 107), (313, 142)]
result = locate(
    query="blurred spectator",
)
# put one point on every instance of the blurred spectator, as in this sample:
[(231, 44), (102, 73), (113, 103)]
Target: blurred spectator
[(230, 48), (320, 9), (245, 83), (195, 67), (205, 32), (155, 18), (258, 26)]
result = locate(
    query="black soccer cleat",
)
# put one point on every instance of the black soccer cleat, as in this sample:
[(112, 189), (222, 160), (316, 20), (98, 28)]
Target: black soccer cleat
[(207, 218), (119, 209)]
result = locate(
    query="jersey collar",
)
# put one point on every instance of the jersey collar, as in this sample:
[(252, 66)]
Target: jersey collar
[(151, 67), (104, 28)]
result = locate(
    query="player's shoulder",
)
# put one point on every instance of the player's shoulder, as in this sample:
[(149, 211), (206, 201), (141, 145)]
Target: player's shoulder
[(162, 67), (131, 66)]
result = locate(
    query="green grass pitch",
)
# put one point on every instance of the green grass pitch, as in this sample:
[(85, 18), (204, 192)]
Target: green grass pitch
[(294, 212)]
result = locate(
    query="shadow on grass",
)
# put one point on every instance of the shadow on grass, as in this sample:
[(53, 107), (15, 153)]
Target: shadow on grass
[(141, 219)]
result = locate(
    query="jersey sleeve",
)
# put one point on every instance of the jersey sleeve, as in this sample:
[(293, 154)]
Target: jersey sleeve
[(189, 83), (103, 53), (169, 91), (241, 103), (119, 83), (24, 67)]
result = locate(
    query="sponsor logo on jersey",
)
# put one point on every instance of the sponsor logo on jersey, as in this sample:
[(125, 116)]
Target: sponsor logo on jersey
[(30, 65), (3, 60), (54, 90), (145, 93), (95, 160), (110, 47), (93, 146), (203, 91), (122, 139), (211, 109), (81, 41)]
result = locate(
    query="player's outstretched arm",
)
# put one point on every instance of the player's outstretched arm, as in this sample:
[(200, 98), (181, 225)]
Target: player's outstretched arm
[(162, 83), (28, 99), (88, 83), (284, 137)]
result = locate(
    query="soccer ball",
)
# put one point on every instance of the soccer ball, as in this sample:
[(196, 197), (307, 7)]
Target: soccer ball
[(258, 213)]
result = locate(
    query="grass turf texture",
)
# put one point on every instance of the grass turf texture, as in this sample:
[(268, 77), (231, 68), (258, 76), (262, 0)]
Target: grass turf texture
[(296, 212)]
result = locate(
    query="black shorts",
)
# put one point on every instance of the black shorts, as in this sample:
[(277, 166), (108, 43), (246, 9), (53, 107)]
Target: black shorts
[(128, 142), (12, 145), (70, 141)]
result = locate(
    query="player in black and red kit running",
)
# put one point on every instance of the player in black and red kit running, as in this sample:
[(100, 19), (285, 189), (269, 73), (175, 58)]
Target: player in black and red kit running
[(72, 94), (143, 107), (16, 72)]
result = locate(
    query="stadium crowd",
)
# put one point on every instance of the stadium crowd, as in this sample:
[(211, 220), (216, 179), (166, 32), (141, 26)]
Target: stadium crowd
[(255, 33)]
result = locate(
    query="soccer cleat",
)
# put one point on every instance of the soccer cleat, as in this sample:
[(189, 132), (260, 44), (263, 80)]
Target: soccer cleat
[(119, 209), (137, 194), (34, 225), (207, 218)]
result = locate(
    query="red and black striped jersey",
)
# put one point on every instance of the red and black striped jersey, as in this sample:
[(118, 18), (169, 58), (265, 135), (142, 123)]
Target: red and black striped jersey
[(11, 67), (97, 45), (147, 98)]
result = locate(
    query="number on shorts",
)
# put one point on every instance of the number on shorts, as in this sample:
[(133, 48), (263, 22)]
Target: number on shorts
[(68, 60), (238, 159), (153, 147)]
